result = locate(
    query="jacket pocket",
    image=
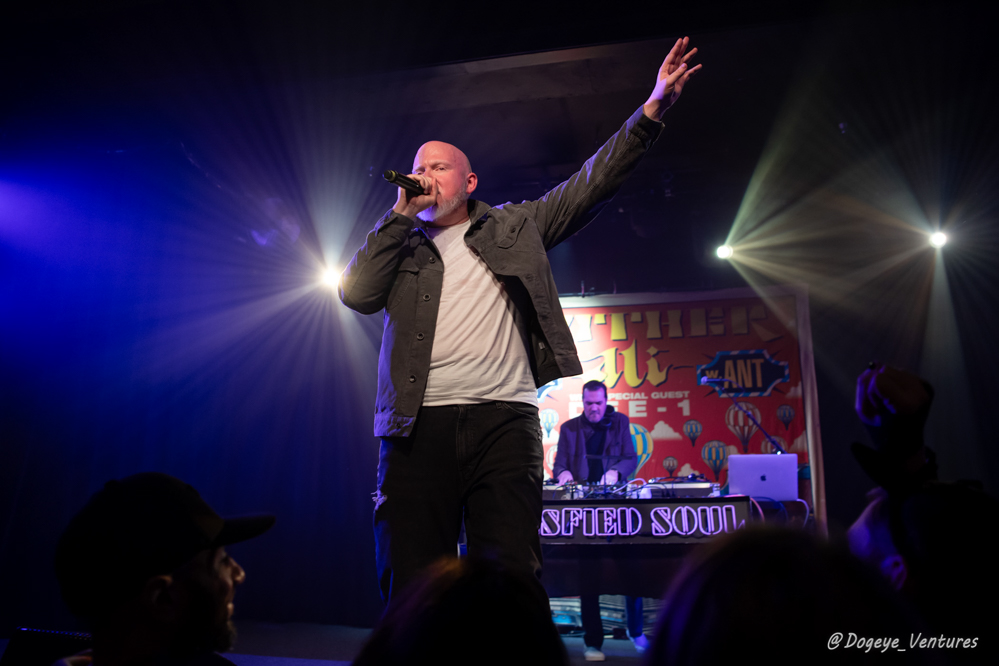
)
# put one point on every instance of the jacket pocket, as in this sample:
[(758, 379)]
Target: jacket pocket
[(509, 233), (521, 235)]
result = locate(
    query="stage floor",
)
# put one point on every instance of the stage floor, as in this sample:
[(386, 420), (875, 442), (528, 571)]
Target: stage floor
[(300, 644), (266, 644)]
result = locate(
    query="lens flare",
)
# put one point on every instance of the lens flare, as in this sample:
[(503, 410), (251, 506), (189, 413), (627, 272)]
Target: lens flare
[(330, 277), (938, 239)]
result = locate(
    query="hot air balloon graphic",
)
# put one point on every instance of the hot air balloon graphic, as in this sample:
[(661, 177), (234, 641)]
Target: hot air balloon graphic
[(550, 452), (767, 447), (643, 445), (740, 424), (715, 454), (670, 464), (692, 429), (549, 419), (786, 414)]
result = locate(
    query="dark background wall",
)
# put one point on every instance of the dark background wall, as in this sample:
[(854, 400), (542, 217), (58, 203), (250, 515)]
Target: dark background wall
[(175, 176)]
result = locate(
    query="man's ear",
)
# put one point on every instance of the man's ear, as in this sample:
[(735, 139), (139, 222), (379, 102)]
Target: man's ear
[(471, 182), (894, 570), (158, 597)]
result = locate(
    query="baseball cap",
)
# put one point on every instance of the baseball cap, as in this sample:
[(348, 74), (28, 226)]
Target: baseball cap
[(144, 525)]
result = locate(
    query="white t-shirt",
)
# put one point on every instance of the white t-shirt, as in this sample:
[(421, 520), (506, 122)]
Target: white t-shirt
[(479, 352)]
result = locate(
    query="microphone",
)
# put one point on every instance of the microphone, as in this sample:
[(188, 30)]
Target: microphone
[(402, 181)]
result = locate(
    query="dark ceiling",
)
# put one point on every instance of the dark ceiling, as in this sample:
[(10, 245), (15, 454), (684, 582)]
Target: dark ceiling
[(528, 90)]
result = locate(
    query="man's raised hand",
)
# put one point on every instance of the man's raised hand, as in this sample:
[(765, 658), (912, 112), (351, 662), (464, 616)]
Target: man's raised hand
[(673, 76), (410, 204)]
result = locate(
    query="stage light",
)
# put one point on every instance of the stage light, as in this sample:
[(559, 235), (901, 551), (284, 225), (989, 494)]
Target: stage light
[(724, 251), (938, 239), (330, 278)]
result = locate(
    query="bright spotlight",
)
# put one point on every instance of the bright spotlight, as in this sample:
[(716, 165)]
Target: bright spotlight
[(724, 251), (330, 278), (938, 239)]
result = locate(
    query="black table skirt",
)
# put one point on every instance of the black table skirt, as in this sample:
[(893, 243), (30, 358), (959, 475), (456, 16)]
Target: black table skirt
[(635, 570)]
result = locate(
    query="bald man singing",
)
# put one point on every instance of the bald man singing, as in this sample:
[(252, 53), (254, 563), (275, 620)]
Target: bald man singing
[(472, 328)]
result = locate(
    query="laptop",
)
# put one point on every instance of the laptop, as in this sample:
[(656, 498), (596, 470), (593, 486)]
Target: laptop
[(765, 475)]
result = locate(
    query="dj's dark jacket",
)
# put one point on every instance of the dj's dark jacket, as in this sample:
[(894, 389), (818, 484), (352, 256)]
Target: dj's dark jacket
[(618, 446), (400, 269)]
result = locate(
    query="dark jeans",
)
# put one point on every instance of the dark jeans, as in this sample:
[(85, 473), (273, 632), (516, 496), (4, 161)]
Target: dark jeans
[(593, 626), (480, 462)]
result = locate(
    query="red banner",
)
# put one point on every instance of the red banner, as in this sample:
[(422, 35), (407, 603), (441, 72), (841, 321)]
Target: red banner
[(675, 365)]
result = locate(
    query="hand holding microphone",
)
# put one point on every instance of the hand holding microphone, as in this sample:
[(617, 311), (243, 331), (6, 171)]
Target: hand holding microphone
[(416, 193)]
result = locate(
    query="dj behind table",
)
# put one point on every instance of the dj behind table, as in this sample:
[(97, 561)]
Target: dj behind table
[(602, 535)]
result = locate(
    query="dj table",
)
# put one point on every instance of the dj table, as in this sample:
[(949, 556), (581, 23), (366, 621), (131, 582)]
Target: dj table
[(603, 543)]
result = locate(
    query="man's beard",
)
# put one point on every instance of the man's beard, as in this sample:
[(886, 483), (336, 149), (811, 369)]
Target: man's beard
[(207, 628), (436, 212)]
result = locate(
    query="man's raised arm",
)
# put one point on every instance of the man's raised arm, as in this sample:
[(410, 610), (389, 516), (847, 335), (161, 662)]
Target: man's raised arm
[(570, 206)]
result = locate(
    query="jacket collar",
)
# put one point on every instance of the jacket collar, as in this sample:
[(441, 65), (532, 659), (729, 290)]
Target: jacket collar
[(477, 209)]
